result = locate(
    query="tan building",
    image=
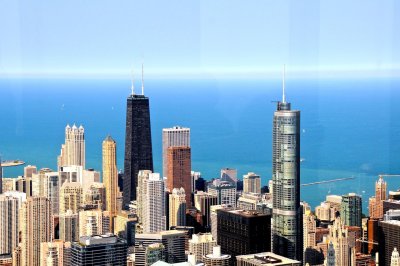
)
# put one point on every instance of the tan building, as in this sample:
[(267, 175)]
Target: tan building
[(95, 196), (216, 258), (140, 192), (251, 183), (94, 222), (203, 202), (177, 207), (309, 229), (376, 202), (124, 226), (71, 197), (110, 175), (326, 211), (201, 245), (36, 227), (39, 181), (73, 151), (69, 226), (29, 170), (9, 221), (54, 253), (179, 170)]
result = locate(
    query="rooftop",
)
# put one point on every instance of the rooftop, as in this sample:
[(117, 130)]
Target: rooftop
[(267, 258)]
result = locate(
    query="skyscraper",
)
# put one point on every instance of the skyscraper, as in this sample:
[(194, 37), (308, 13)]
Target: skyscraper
[(110, 174), (71, 197), (36, 227), (55, 253), (287, 217), (339, 237), (177, 208), (179, 164), (1, 177), (94, 222), (138, 148), (351, 209), (230, 175), (225, 192), (251, 183), (73, 151), (9, 211), (173, 137), (376, 203), (69, 226), (154, 219)]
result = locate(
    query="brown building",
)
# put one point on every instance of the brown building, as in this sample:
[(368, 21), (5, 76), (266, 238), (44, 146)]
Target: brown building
[(179, 166), (372, 236)]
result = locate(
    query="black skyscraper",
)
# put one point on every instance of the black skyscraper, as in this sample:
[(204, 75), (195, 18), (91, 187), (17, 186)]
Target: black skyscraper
[(138, 149)]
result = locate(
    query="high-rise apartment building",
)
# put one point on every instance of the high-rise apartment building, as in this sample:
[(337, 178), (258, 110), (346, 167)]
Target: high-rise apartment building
[(177, 207), (287, 217), (95, 196), (24, 184), (154, 219), (179, 166), (173, 137), (99, 250), (71, 197), (251, 183), (225, 192), (110, 174), (172, 240), (36, 227), (376, 203), (309, 231), (201, 245), (138, 147), (203, 202), (243, 232), (94, 222), (73, 151), (55, 253), (351, 209), (29, 170), (9, 222), (69, 226), (38, 182), (214, 218)]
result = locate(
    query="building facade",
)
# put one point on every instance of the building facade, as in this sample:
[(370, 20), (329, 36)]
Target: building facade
[(351, 209), (71, 197), (73, 151), (173, 137), (154, 218), (251, 183), (110, 174), (138, 147), (287, 217), (9, 223), (177, 207)]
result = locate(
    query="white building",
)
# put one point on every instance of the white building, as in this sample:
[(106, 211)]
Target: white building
[(201, 245), (154, 219), (73, 151), (251, 183)]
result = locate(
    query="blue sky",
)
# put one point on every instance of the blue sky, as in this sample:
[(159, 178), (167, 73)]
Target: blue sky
[(189, 37)]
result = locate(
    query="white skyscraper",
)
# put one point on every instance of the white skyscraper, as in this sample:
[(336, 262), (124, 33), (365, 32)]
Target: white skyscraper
[(173, 137), (154, 219), (9, 222), (73, 151)]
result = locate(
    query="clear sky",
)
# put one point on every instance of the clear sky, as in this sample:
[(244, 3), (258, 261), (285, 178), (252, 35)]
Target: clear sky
[(212, 37)]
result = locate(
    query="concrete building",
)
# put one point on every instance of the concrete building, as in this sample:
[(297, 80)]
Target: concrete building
[(341, 240), (243, 232), (309, 230), (229, 175), (95, 196), (110, 175), (73, 151), (216, 258), (287, 217), (179, 168), (251, 183), (376, 202), (154, 219), (9, 222), (24, 184), (141, 193), (55, 253), (99, 250), (201, 245), (69, 226), (177, 207), (265, 259), (351, 209), (29, 170), (94, 222), (173, 137), (214, 218), (248, 201), (138, 146), (36, 227), (124, 227), (172, 240), (225, 192), (203, 202), (71, 197)]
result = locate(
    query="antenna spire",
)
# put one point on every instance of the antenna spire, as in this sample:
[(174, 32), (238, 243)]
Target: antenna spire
[(142, 81), (133, 84), (283, 85)]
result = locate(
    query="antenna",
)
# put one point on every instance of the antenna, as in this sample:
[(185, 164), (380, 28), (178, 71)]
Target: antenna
[(283, 85), (133, 84), (142, 81)]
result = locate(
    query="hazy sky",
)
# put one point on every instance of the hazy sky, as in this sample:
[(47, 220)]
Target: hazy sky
[(248, 37)]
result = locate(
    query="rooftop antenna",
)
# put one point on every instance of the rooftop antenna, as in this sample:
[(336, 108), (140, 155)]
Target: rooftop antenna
[(283, 85), (133, 85), (142, 81)]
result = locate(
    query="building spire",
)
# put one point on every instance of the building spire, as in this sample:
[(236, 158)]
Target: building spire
[(283, 85), (133, 84), (142, 81)]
